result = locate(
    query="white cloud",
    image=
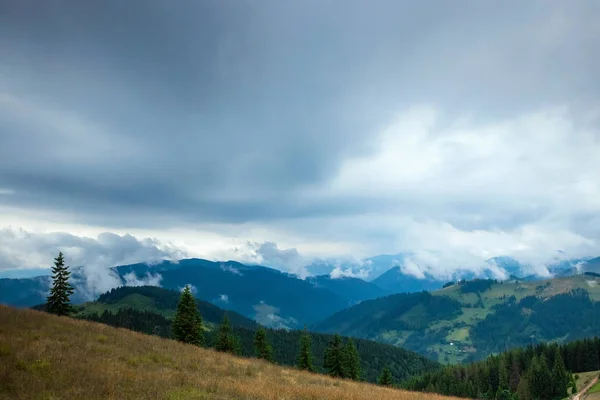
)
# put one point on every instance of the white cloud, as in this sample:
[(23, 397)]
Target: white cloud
[(148, 280), (341, 272), (224, 298), (409, 267), (229, 268), (193, 288), (20, 248), (267, 315)]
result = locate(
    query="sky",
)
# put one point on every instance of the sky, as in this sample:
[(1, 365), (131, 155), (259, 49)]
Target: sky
[(287, 132)]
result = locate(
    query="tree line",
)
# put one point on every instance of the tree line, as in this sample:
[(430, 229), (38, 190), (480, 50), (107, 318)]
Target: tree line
[(536, 372)]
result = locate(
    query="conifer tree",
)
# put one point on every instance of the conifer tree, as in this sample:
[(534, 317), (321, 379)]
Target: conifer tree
[(504, 371), (58, 301), (545, 379), (236, 344), (262, 347), (334, 358), (351, 360), (226, 340), (560, 377), (515, 376), (187, 324), (523, 391), (305, 357), (386, 378)]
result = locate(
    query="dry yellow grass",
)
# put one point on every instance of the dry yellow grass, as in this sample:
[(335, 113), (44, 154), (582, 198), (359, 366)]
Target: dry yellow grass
[(48, 357)]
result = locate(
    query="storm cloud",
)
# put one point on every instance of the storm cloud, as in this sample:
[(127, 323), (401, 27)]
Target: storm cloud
[(331, 128)]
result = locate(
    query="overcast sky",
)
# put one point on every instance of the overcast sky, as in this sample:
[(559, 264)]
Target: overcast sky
[(281, 131)]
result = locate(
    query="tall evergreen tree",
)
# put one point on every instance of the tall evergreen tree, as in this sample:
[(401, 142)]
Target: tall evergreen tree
[(351, 360), (545, 379), (262, 347), (187, 324), (386, 378), (515, 376), (560, 377), (305, 357), (504, 371), (58, 301), (226, 340), (523, 391), (334, 358)]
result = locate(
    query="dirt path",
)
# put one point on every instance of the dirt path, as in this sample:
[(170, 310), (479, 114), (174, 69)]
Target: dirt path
[(579, 396)]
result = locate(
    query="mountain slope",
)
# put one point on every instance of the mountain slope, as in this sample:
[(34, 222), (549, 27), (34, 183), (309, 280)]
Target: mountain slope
[(24, 292), (353, 289), (43, 356), (592, 265), (479, 317), (396, 281), (266, 295)]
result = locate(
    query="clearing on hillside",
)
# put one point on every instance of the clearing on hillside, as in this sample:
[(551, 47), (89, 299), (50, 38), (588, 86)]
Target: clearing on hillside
[(47, 357)]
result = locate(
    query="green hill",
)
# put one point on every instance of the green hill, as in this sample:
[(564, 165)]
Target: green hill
[(470, 320), (156, 300)]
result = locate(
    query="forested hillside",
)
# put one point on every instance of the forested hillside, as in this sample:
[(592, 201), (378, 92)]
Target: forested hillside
[(470, 320), (543, 371)]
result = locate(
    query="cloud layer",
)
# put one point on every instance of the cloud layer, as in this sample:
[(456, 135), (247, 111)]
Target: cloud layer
[(278, 133)]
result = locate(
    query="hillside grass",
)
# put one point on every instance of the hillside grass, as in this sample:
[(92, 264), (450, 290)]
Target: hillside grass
[(47, 357), (594, 389)]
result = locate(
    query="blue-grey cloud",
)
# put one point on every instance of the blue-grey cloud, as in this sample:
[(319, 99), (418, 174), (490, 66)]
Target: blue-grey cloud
[(148, 115)]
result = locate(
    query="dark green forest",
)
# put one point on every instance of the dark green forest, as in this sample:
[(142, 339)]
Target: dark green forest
[(572, 315), (536, 372)]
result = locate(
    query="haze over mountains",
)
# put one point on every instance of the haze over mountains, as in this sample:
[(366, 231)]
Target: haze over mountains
[(269, 296)]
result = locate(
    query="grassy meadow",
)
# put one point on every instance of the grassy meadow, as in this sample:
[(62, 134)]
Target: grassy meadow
[(47, 357)]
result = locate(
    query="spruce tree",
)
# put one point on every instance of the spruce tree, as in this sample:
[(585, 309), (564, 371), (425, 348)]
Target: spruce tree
[(58, 301), (262, 347), (386, 378), (545, 379), (351, 361), (226, 340), (334, 358), (187, 324), (305, 357), (504, 372), (560, 377), (523, 389)]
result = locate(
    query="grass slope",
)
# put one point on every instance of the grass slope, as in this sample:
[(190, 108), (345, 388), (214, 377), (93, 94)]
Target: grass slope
[(48, 357)]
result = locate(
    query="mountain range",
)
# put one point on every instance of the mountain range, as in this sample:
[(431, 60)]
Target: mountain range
[(269, 296)]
